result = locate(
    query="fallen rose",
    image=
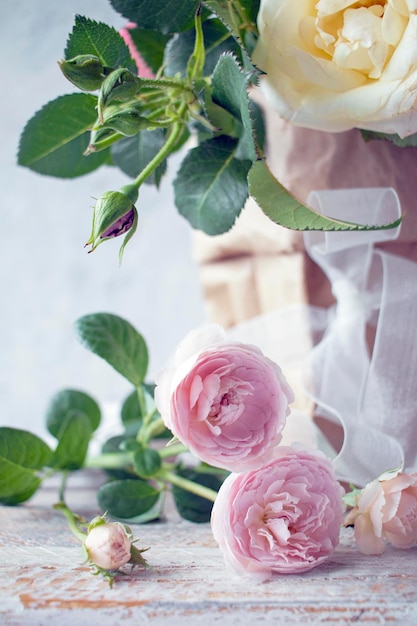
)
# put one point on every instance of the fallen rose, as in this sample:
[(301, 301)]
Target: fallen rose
[(108, 545), (334, 65), (386, 511), (225, 401), (284, 518)]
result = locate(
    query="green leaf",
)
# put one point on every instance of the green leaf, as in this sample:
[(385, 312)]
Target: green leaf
[(150, 45), (165, 16), (240, 21), (147, 462), (127, 498), (24, 448), (191, 507), (132, 154), (73, 440), (55, 138), (282, 208), (211, 185), (116, 341), (17, 483), (21, 454), (401, 142), (180, 48), (91, 37), (71, 402), (229, 86)]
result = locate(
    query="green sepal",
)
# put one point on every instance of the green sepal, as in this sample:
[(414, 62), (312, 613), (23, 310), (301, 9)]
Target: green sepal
[(85, 71), (128, 122)]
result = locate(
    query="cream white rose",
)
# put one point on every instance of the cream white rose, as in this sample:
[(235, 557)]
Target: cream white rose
[(334, 65)]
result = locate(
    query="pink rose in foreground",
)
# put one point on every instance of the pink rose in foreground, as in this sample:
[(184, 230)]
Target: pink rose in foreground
[(284, 518), (386, 511), (225, 401), (108, 546)]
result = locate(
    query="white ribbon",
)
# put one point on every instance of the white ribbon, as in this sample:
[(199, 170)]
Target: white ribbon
[(371, 393)]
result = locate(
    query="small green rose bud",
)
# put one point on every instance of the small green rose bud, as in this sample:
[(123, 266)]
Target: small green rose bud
[(114, 215), (127, 122), (121, 85), (85, 71), (100, 137)]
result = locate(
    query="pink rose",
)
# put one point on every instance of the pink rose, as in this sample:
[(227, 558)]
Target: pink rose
[(225, 401), (386, 511), (284, 518), (108, 546)]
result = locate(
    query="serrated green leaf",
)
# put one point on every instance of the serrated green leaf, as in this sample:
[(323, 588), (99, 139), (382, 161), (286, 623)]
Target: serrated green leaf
[(191, 507), (401, 142), (17, 483), (211, 186), (116, 341), (71, 402), (229, 90), (150, 45), (132, 154), (283, 209), (101, 40), (180, 48), (127, 498), (240, 22), (165, 16), (147, 462), (73, 440), (24, 448), (55, 138)]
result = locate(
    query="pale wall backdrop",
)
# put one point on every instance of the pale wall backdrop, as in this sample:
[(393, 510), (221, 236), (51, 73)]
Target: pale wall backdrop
[(47, 278)]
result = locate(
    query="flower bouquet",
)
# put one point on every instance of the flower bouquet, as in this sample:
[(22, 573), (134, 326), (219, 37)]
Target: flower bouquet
[(204, 76)]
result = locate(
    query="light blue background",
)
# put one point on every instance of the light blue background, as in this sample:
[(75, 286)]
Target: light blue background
[(47, 278)]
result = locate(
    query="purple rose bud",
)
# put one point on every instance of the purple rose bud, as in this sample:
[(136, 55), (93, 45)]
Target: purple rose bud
[(114, 215)]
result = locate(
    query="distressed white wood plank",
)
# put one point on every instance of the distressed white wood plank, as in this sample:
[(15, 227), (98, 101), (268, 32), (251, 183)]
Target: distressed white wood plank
[(43, 579)]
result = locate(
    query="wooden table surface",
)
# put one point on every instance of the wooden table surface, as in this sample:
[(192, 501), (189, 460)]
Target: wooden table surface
[(43, 579)]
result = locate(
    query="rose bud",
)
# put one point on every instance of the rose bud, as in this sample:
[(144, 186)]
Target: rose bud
[(283, 518), (121, 85), (85, 71), (114, 215), (127, 122), (108, 545), (225, 400)]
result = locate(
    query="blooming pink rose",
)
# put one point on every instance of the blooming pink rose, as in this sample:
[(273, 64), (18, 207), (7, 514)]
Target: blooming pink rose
[(284, 518), (386, 511), (225, 401), (108, 546)]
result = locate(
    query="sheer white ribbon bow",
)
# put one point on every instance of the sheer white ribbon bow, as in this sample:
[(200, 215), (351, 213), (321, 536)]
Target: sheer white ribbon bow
[(371, 393)]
